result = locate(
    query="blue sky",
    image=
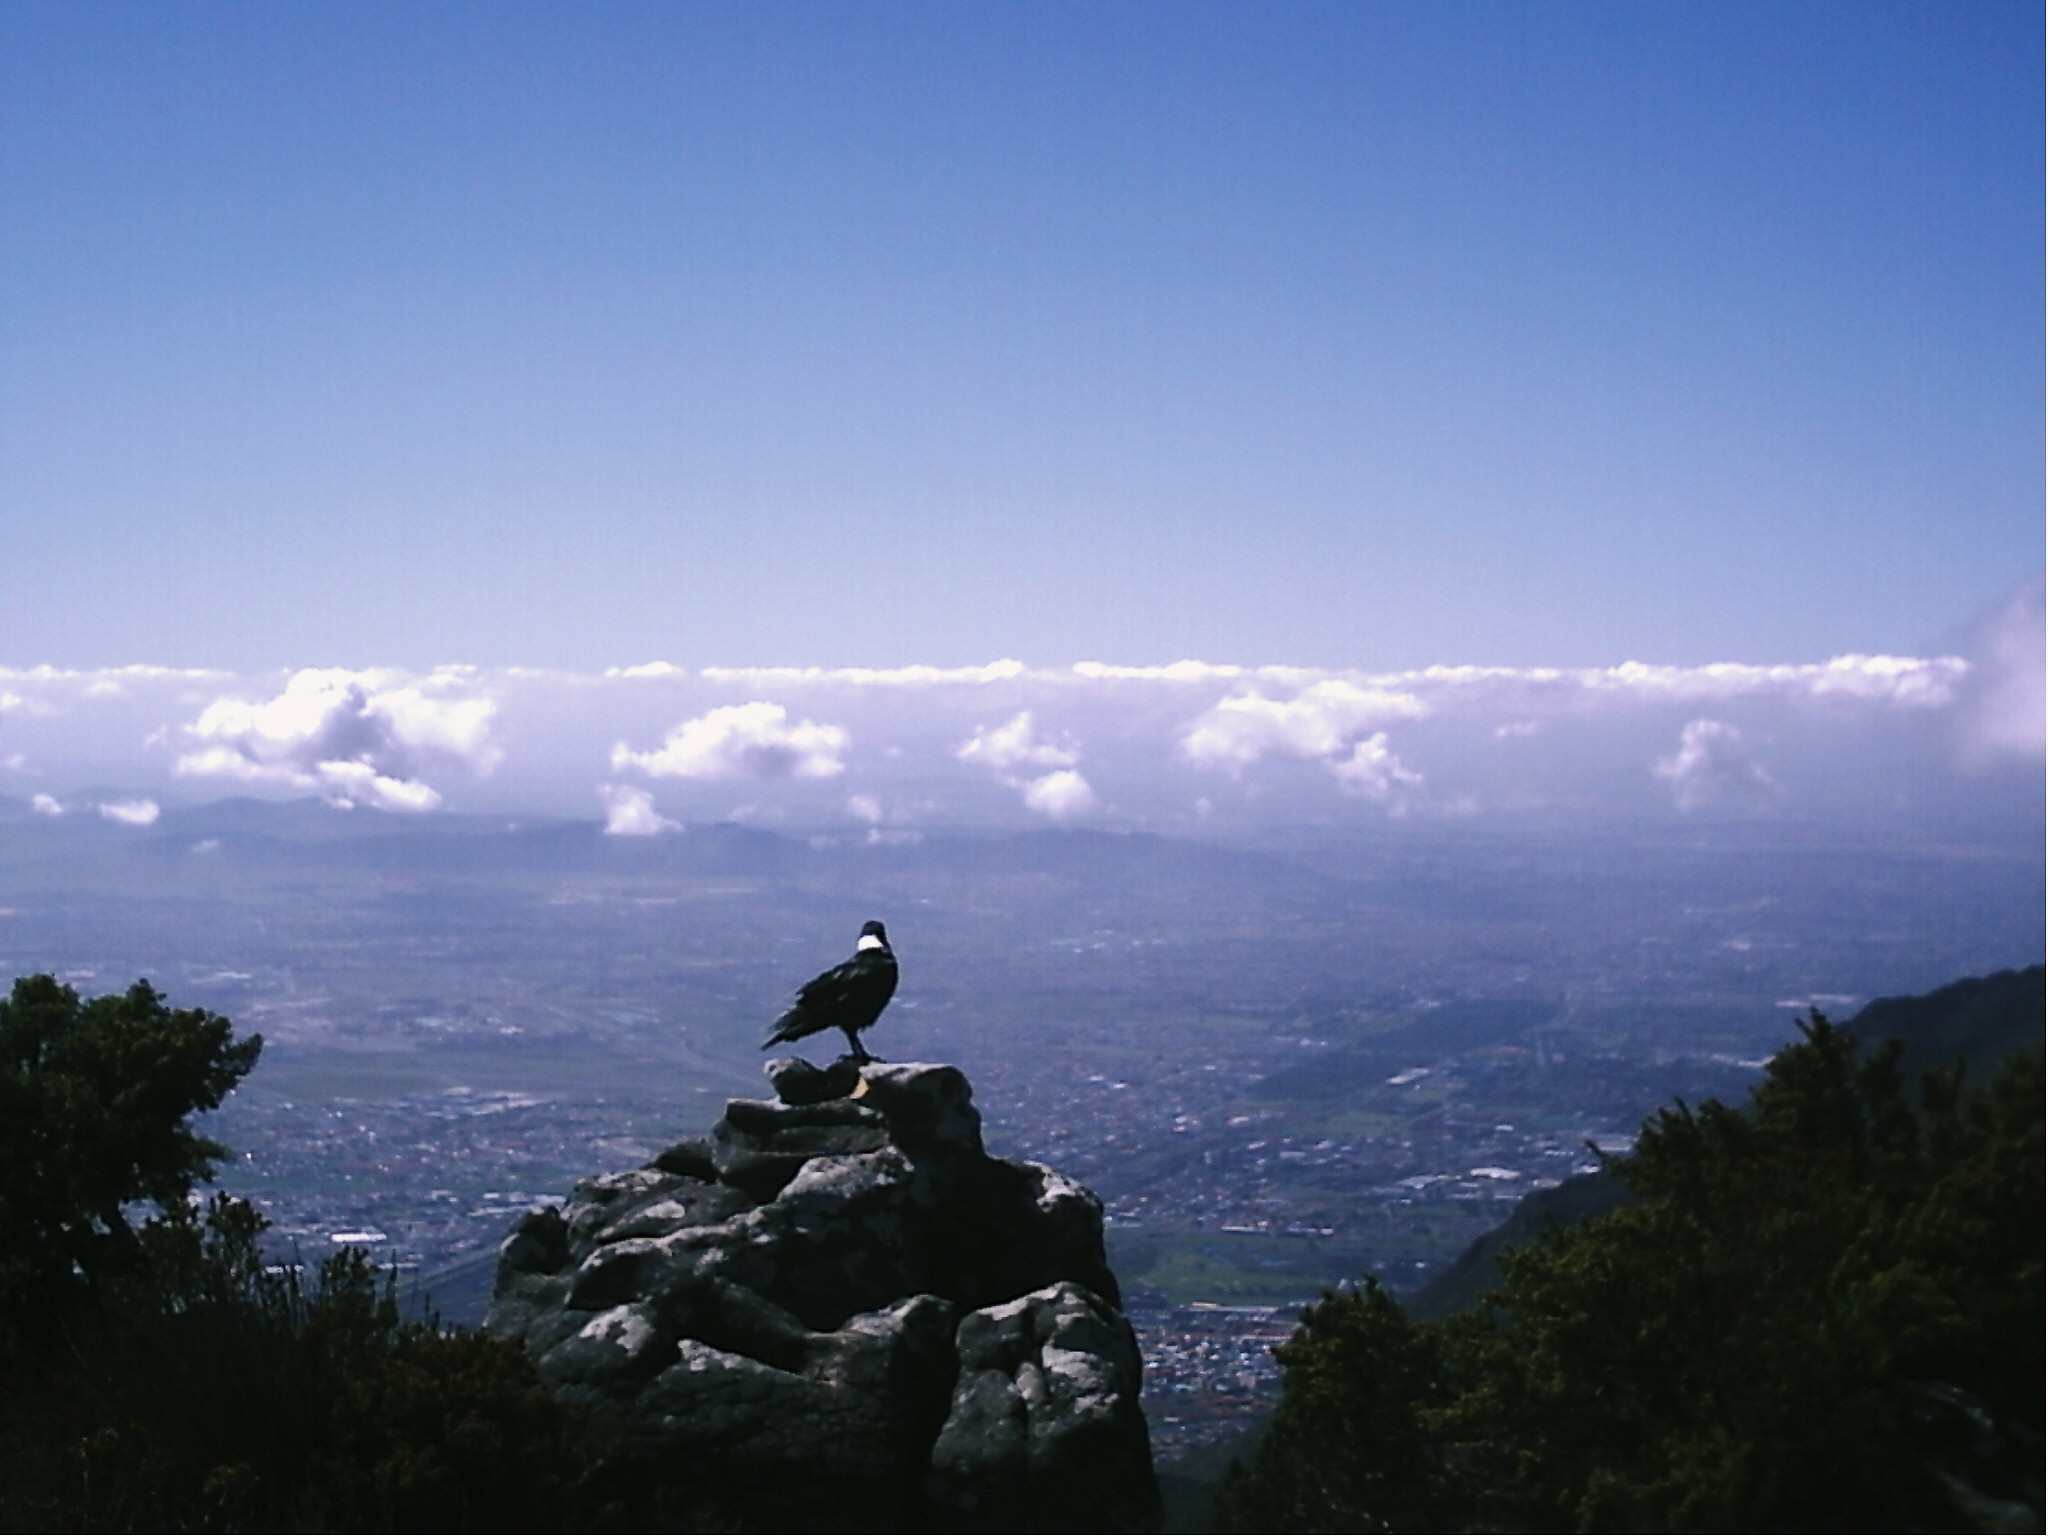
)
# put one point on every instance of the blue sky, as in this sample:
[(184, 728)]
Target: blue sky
[(1365, 337)]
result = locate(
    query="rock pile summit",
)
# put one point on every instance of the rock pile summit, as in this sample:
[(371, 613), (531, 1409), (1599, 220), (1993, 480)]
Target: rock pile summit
[(837, 1312)]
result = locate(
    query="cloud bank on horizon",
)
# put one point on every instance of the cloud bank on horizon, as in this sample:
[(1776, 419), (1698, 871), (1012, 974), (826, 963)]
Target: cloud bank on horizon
[(653, 746)]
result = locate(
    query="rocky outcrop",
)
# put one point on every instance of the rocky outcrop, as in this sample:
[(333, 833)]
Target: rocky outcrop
[(837, 1312)]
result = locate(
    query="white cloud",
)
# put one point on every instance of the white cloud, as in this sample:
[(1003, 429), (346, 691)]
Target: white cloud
[(46, 805), (884, 824), (742, 741), (1006, 748), (630, 812), (1372, 770), (399, 738), (358, 738), (1712, 768), (2002, 709), (1062, 794), (356, 784), (428, 718), (1322, 723), (131, 813)]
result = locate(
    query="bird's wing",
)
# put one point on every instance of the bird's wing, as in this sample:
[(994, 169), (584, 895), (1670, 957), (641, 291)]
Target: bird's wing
[(860, 974), (827, 986)]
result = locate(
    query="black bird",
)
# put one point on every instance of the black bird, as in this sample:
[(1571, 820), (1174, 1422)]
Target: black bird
[(849, 997)]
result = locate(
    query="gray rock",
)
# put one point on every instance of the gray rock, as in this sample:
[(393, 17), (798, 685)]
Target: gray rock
[(759, 1146), (612, 1351), (1044, 1432), (837, 1312), (537, 1243), (796, 1081), (691, 1157), (927, 1107)]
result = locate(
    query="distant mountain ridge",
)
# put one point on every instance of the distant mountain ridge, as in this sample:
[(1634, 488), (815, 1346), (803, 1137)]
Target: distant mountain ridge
[(1978, 1022)]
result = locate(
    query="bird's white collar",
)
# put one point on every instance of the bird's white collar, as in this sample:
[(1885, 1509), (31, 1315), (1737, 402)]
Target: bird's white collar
[(868, 941)]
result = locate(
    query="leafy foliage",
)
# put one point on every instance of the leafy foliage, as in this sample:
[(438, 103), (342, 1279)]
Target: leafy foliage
[(1762, 1342), (162, 1374), (1353, 1446), (96, 1101), (206, 1390)]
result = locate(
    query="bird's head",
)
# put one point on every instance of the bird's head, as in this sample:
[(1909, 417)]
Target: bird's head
[(872, 936)]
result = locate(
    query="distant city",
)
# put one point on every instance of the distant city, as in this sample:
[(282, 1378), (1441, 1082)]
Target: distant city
[(1282, 1066)]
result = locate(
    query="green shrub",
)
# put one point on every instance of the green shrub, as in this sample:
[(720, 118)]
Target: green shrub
[(204, 1391), (1761, 1342), (160, 1375)]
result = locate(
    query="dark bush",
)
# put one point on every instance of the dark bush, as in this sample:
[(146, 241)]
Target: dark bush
[(203, 1391), (157, 1374), (1824, 1313)]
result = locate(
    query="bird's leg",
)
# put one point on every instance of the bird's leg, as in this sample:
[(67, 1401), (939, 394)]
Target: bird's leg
[(861, 1057)]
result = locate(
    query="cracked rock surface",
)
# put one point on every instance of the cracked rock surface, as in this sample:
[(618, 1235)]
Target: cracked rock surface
[(837, 1312)]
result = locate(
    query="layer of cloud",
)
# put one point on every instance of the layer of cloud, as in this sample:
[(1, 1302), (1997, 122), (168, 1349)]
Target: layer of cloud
[(355, 738), (98, 677), (742, 741), (1905, 680), (1712, 769), (131, 813), (1915, 682), (1199, 673), (865, 677), (1426, 740)]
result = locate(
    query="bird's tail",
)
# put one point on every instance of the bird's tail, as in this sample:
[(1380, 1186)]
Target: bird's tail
[(793, 1025)]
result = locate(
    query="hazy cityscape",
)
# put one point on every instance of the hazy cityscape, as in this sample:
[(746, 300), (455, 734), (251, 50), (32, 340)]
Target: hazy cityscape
[(1282, 1066)]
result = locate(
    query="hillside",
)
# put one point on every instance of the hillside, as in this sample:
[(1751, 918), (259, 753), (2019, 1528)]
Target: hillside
[(1975, 1023), (1820, 1310)]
